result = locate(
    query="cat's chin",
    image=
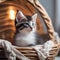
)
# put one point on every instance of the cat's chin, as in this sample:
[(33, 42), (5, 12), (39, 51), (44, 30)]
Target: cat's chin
[(24, 32)]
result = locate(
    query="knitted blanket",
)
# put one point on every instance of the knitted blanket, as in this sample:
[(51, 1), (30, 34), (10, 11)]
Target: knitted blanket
[(42, 50)]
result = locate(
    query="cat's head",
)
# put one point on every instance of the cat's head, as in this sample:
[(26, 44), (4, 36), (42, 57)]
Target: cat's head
[(25, 23)]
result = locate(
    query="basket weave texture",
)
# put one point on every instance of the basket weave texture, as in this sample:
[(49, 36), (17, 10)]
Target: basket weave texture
[(28, 7)]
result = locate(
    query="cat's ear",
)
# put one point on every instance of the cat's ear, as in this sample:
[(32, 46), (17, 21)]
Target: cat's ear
[(34, 17), (20, 16)]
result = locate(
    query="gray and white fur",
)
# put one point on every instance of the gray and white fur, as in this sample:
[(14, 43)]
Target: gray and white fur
[(26, 34)]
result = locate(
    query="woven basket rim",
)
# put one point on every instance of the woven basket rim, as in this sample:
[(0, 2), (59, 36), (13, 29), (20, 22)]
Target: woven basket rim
[(45, 17), (36, 4)]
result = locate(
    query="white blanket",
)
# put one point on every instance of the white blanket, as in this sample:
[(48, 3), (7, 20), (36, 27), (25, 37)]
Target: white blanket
[(42, 50)]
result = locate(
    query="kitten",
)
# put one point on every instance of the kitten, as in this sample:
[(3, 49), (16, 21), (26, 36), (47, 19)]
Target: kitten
[(26, 34)]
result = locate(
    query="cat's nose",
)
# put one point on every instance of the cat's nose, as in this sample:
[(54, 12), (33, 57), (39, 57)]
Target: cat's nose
[(28, 29)]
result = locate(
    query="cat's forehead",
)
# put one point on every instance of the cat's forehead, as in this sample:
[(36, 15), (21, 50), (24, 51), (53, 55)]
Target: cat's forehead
[(29, 18)]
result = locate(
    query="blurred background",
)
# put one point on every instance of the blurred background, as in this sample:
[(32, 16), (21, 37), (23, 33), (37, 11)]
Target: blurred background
[(53, 9)]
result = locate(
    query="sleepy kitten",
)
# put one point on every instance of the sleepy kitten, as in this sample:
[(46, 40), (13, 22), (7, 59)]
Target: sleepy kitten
[(26, 34)]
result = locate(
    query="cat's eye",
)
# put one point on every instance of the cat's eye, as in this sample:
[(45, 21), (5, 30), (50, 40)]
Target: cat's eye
[(32, 24)]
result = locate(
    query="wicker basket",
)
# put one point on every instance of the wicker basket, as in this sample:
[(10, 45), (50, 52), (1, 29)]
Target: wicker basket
[(7, 25)]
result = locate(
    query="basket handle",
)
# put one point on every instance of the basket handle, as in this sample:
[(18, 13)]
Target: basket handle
[(45, 18)]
